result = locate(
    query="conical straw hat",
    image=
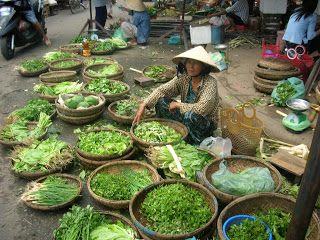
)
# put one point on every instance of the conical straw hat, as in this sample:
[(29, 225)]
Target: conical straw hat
[(197, 53), (135, 5)]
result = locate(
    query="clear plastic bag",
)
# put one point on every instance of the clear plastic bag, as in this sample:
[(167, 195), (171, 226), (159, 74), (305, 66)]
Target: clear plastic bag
[(219, 146), (218, 59), (251, 180)]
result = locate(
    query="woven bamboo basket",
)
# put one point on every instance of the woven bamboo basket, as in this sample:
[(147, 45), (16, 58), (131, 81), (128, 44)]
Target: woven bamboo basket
[(71, 180), (58, 76), (266, 81), (237, 163), (165, 76), (86, 79), (76, 67), (141, 221), (106, 52), (276, 64), (275, 74), (262, 201), (110, 97), (115, 168), (177, 126), (129, 45), (318, 93), (93, 164), (112, 108), (26, 73), (96, 157), (85, 112), (262, 87), (107, 60), (98, 67), (72, 48), (50, 99), (79, 120)]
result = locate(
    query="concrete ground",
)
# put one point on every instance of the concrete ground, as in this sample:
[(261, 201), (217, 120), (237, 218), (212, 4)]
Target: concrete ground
[(235, 86)]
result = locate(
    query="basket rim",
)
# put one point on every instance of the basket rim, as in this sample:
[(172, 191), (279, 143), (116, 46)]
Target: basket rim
[(105, 58), (167, 66), (275, 74), (263, 87), (78, 65), (85, 118), (48, 74), (26, 73), (109, 95), (85, 71)]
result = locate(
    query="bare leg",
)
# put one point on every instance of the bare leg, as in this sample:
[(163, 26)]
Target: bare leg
[(40, 30), (233, 25)]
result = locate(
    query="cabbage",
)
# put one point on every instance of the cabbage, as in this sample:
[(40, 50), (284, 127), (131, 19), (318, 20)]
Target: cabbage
[(113, 232)]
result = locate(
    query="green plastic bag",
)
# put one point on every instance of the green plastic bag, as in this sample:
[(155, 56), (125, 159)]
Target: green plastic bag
[(119, 34), (251, 180)]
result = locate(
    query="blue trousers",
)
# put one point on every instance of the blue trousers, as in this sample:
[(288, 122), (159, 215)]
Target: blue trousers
[(101, 16)]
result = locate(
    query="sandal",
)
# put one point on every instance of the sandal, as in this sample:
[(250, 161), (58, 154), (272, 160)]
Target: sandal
[(47, 42)]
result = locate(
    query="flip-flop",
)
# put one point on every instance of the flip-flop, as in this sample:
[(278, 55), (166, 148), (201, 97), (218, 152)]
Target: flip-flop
[(132, 43), (48, 42)]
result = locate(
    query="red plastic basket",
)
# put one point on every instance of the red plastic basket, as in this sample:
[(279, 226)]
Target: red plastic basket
[(270, 51)]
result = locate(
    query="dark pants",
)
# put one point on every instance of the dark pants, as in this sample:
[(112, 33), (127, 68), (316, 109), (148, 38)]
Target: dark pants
[(237, 20), (311, 46), (101, 16), (199, 127)]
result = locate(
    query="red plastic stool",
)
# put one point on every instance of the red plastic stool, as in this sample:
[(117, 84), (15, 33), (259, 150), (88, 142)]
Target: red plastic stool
[(241, 27)]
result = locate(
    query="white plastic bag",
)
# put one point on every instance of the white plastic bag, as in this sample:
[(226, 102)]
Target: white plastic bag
[(219, 60), (219, 146)]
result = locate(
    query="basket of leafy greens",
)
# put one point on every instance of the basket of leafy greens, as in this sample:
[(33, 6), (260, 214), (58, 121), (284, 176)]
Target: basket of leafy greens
[(31, 68), (52, 192), (55, 77), (273, 209), (160, 73), (79, 39), (103, 48), (112, 90), (120, 44), (174, 209), (71, 48), (85, 223), (54, 56), (114, 184), (103, 70), (73, 64), (38, 159), (96, 60)]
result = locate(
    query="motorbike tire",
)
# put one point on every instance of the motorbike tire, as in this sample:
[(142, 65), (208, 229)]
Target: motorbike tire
[(6, 50)]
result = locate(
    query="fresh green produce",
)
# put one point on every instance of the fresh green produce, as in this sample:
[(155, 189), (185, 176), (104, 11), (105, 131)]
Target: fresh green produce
[(248, 229), (33, 65), (103, 46), (175, 209), (155, 132), (66, 64), (152, 11), (71, 103), (52, 191), (104, 85), (113, 232), (63, 87), (119, 43), (83, 104), (78, 39), (190, 157), (127, 108), (92, 101), (108, 70), (284, 92), (79, 101), (97, 60), (156, 72), (103, 142), (53, 56), (120, 186), (41, 156)]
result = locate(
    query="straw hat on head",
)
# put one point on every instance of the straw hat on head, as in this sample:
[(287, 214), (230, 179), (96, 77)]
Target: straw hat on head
[(197, 53), (135, 5)]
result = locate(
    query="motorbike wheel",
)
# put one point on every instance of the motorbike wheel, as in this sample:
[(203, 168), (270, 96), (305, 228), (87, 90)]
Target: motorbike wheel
[(6, 50)]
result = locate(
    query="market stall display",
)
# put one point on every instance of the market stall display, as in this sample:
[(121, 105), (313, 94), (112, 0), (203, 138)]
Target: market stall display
[(72, 64), (55, 77), (103, 70), (31, 68), (58, 55), (103, 48)]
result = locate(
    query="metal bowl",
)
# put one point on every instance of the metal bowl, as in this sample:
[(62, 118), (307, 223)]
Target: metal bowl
[(220, 47), (299, 105)]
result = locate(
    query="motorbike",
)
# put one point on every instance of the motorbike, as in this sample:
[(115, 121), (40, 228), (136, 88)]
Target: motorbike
[(15, 30)]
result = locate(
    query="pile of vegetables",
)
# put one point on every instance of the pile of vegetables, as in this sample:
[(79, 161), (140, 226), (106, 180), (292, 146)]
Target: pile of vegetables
[(63, 87), (119, 43), (284, 92), (152, 11), (115, 25), (127, 108), (97, 60), (65, 64), (52, 191), (121, 186), (156, 72), (19, 132), (190, 157), (155, 132), (41, 156), (79, 101), (103, 142), (79, 39), (53, 56), (104, 85), (33, 65), (248, 42), (107, 70), (168, 13), (84, 223), (103, 46), (175, 209)]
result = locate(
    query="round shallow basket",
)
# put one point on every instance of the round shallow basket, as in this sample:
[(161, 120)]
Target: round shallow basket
[(266, 81), (107, 61), (276, 64), (247, 205), (106, 52), (129, 45), (115, 168), (72, 48), (79, 120), (76, 67), (50, 99), (141, 221), (111, 97), (84, 112), (97, 157), (30, 126), (144, 145), (237, 163), (26, 73), (58, 76), (169, 73), (97, 67), (276, 74), (112, 108), (318, 93), (71, 180), (262, 87), (86, 79)]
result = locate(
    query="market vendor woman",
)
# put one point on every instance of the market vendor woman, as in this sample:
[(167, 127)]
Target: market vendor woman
[(198, 109)]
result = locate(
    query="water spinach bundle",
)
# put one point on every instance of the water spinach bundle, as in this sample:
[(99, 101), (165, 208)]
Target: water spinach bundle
[(63, 87), (33, 65), (121, 186), (104, 85)]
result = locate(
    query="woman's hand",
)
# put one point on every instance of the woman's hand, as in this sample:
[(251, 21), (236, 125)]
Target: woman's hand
[(139, 114), (122, 19), (173, 106)]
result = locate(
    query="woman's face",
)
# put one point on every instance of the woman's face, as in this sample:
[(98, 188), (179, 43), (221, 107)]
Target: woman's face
[(194, 67)]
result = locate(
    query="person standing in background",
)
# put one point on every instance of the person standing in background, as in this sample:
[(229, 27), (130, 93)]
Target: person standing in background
[(101, 12), (110, 4)]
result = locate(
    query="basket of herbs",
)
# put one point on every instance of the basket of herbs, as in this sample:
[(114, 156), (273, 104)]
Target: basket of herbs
[(103, 70), (104, 144), (79, 39), (85, 223), (120, 44), (273, 209), (30, 68), (52, 92), (157, 132), (173, 209), (124, 111), (115, 183), (96, 60), (102, 48), (73, 64), (160, 73), (112, 90), (58, 55), (87, 79), (71, 48), (55, 77), (39, 159), (52, 192)]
